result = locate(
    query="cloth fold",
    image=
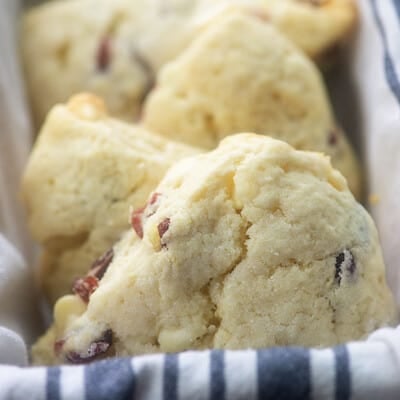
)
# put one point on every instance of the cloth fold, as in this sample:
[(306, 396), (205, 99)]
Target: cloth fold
[(19, 317), (15, 132), (12, 348)]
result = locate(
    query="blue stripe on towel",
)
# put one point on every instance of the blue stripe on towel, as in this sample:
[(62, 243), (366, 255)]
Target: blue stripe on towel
[(53, 383), (170, 379), (284, 373), (342, 373), (109, 379), (396, 4), (390, 70), (217, 375)]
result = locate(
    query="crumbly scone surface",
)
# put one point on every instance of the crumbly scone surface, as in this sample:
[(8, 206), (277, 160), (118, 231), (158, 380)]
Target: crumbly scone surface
[(251, 245)]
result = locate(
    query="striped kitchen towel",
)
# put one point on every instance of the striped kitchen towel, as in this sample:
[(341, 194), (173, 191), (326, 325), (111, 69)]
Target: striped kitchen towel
[(360, 370)]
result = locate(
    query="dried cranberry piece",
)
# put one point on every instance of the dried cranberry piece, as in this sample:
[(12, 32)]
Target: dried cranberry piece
[(58, 345), (163, 226), (260, 14), (345, 262), (103, 55), (95, 349), (99, 267), (84, 287), (137, 215), (154, 197), (136, 221), (333, 137)]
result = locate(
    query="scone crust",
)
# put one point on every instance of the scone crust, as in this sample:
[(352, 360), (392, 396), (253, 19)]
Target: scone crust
[(252, 245)]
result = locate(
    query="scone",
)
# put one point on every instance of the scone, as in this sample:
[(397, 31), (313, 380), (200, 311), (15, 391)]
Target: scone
[(317, 26), (115, 48), (243, 75), (254, 244), (85, 171)]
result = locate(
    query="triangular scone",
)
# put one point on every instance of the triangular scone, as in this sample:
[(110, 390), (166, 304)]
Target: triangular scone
[(84, 173), (242, 75)]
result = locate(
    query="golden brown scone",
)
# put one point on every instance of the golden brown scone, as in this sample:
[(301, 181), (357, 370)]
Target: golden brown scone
[(243, 75), (85, 170), (254, 244), (316, 26), (117, 50)]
